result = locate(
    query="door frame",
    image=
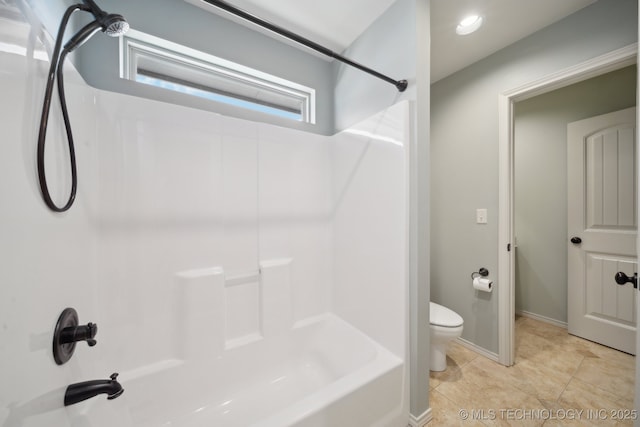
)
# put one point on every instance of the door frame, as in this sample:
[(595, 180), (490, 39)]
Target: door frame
[(608, 62)]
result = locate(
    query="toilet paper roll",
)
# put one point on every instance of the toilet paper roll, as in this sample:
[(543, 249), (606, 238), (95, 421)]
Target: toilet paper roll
[(484, 285)]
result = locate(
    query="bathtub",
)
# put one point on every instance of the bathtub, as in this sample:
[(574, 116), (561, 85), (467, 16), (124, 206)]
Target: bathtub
[(324, 372)]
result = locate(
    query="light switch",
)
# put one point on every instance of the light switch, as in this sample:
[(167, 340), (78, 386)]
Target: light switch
[(481, 216)]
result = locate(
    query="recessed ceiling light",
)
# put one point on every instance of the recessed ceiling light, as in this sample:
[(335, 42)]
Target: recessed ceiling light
[(468, 25)]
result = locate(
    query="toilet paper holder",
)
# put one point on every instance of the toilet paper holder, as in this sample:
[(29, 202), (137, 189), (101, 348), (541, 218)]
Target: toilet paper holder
[(482, 272)]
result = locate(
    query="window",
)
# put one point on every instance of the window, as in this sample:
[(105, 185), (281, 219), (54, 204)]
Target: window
[(157, 62)]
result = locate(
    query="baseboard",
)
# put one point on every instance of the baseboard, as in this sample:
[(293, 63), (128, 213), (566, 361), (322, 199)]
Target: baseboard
[(473, 347), (542, 318), (420, 421)]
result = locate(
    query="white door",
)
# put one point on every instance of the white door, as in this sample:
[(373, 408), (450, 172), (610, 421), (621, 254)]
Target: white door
[(602, 223)]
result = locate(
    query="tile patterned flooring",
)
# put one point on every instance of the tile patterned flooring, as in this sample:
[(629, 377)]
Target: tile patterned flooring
[(556, 375)]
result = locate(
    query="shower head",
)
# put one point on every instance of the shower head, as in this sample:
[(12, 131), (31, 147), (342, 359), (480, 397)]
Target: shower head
[(111, 24), (114, 25)]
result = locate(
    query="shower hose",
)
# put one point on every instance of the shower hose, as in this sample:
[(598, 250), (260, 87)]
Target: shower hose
[(57, 62)]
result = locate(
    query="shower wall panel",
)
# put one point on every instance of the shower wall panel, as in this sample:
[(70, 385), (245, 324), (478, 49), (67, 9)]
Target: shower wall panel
[(182, 189), (370, 226)]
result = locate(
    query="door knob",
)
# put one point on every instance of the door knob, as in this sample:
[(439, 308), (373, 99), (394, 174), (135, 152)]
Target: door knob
[(576, 240), (622, 278)]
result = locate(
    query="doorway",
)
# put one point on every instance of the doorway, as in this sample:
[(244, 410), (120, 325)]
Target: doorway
[(507, 104), (549, 188)]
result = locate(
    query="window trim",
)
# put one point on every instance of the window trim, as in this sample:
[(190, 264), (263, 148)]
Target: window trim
[(136, 45)]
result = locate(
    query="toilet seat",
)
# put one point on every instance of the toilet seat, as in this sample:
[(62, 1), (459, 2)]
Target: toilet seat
[(443, 317)]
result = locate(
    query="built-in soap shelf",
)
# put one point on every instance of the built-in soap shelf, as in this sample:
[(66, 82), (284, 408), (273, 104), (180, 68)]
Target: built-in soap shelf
[(218, 311), (242, 278)]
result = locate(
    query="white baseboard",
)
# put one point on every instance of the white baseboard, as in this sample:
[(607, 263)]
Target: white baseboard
[(542, 318), (484, 352), (420, 421)]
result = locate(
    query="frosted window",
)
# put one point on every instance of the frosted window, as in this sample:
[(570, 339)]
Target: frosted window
[(149, 60)]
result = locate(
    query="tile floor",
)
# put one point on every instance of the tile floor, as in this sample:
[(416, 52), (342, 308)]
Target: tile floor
[(556, 375)]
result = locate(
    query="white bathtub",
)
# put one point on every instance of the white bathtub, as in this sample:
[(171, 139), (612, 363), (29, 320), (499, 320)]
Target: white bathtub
[(323, 372)]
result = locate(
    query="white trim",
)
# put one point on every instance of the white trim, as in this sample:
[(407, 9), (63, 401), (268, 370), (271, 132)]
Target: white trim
[(422, 420), (542, 318), (186, 63), (475, 348), (506, 299), (506, 295), (599, 65)]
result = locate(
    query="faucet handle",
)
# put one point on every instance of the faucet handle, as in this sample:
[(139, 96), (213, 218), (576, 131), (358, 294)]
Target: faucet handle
[(72, 334), (92, 330), (67, 333), (114, 376)]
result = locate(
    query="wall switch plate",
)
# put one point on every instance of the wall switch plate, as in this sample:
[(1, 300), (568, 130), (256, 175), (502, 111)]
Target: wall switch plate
[(481, 216)]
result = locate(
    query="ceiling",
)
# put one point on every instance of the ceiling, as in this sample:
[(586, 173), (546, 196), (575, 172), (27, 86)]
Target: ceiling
[(505, 22), (337, 23)]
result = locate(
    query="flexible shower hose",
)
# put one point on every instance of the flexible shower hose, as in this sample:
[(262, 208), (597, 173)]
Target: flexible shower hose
[(57, 62)]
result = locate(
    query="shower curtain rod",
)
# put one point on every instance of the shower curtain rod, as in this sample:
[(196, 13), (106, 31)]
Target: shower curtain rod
[(401, 85)]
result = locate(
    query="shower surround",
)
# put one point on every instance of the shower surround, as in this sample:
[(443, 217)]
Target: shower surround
[(240, 273)]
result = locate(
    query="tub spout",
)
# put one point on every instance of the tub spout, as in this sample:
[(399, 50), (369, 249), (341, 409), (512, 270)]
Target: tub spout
[(85, 390)]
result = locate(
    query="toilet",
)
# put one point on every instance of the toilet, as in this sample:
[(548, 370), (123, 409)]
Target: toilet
[(444, 325)]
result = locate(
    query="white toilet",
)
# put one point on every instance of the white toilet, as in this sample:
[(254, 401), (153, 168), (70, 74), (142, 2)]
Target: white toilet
[(445, 325)]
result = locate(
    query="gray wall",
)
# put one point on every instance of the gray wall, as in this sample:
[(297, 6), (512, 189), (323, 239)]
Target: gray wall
[(419, 236), (541, 184), (464, 155), (389, 47)]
